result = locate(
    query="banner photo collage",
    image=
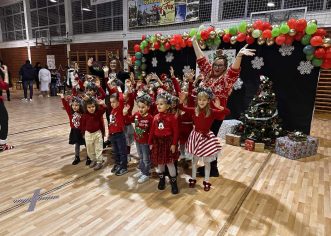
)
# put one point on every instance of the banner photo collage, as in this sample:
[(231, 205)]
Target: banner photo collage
[(144, 13)]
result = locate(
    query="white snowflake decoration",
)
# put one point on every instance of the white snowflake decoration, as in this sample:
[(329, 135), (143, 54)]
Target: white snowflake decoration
[(238, 84), (305, 67), (169, 57), (286, 50), (257, 63), (154, 62), (186, 69)]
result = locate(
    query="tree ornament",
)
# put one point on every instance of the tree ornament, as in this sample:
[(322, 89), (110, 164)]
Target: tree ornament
[(249, 28), (212, 34), (220, 32), (233, 39), (326, 42), (263, 129), (276, 133)]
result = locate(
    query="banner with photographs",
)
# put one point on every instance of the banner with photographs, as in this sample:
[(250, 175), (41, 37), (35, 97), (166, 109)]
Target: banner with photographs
[(144, 13)]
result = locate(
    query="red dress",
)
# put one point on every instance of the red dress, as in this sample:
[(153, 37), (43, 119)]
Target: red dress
[(163, 134)]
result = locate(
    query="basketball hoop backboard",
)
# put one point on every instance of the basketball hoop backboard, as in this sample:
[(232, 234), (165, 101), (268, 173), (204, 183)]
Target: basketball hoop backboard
[(279, 16)]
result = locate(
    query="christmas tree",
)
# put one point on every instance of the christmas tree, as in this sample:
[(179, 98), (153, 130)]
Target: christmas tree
[(261, 122)]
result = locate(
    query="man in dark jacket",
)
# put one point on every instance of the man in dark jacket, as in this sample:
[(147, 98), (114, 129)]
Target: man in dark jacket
[(28, 75)]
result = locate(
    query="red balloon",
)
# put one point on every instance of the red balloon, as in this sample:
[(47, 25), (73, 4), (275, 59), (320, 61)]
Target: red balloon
[(146, 50), (320, 32), (328, 53), (288, 40), (319, 53), (210, 28), (241, 37), (258, 25), (178, 47), (157, 45), (133, 59), (226, 38), (143, 37), (280, 39), (205, 34), (189, 42), (316, 41), (136, 48), (266, 34), (301, 25), (167, 46), (292, 23), (298, 36), (266, 26), (183, 44), (326, 64), (172, 41), (250, 39)]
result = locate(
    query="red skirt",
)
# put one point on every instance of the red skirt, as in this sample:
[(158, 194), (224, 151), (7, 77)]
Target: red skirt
[(161, 154)]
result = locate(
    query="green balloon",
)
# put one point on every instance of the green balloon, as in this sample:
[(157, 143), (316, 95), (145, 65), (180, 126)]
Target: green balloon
[(256, 33), (284, 28), (138, 63), (311, 28), (138, 55), (143, 66), (142, 47), (275, 32), (199, 36), (242, 27), (193, 32), (145, 43), (217, 41), (153, 39), (306, 39), (317, 62), (209, 43), (309, 57), (162, 48), (233, 31)]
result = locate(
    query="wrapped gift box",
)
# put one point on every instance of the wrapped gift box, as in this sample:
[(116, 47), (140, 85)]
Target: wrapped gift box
[(232, 139), (294, 150), (227, 127), (259, 147), (249, 145)]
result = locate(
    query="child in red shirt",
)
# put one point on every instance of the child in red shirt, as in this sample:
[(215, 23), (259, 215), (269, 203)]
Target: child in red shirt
[(143, 121), (202, 142), (163, 138), (116, 131), (91, 128), (75, 112)]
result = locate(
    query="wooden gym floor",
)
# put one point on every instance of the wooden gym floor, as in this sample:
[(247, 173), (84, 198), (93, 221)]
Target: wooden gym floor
[(257, 193)]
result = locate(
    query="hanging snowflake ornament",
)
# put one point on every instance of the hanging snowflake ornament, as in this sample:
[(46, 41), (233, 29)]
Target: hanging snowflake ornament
[(169, 57), (186, 69), (305, 67), (257, 63), (238, 84), (286, 50), (154, 62)]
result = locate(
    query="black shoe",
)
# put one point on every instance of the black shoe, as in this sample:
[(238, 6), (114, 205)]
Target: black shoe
[(115, 168), (88, 161), (174, 187), (121, 171), (107, 143), (161, 185), (76, 161)]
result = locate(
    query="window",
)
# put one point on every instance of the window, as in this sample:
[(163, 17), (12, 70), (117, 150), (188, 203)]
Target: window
[(12, 22), (102, 17), (47, 15)]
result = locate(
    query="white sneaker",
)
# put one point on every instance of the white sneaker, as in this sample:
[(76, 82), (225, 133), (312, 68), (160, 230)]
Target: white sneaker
[(143, 179), (48, 96), (30, 99), (137, 175), (24, 99)]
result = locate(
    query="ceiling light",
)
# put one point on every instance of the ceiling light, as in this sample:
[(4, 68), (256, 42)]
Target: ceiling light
[(271, 4), (86, 9), (53, 1)]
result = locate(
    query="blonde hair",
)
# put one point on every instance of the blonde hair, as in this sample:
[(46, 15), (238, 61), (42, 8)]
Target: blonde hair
[(207, 108)]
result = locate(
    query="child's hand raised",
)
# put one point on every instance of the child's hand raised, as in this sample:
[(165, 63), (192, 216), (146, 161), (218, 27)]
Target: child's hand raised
[(90, 61), (172, 71), (126, 109), (190, 75), (182, 97)]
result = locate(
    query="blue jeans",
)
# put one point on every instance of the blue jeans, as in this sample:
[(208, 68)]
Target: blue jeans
[(144, 155), (27, 83), (53, 89), (118, 143)]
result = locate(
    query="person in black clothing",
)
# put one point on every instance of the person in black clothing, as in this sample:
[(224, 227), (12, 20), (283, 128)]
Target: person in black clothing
[(28, 76), (37, 68)]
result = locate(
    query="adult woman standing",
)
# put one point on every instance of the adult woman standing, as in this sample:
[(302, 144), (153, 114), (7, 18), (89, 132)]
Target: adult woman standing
[(4, 80), (220, 79), (45, 80)]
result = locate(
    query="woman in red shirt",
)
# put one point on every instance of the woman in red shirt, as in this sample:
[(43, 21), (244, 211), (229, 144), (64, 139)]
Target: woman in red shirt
[(220, 80)]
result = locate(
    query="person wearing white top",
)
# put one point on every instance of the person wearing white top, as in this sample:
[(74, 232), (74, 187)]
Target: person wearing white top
[(45, 79)]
